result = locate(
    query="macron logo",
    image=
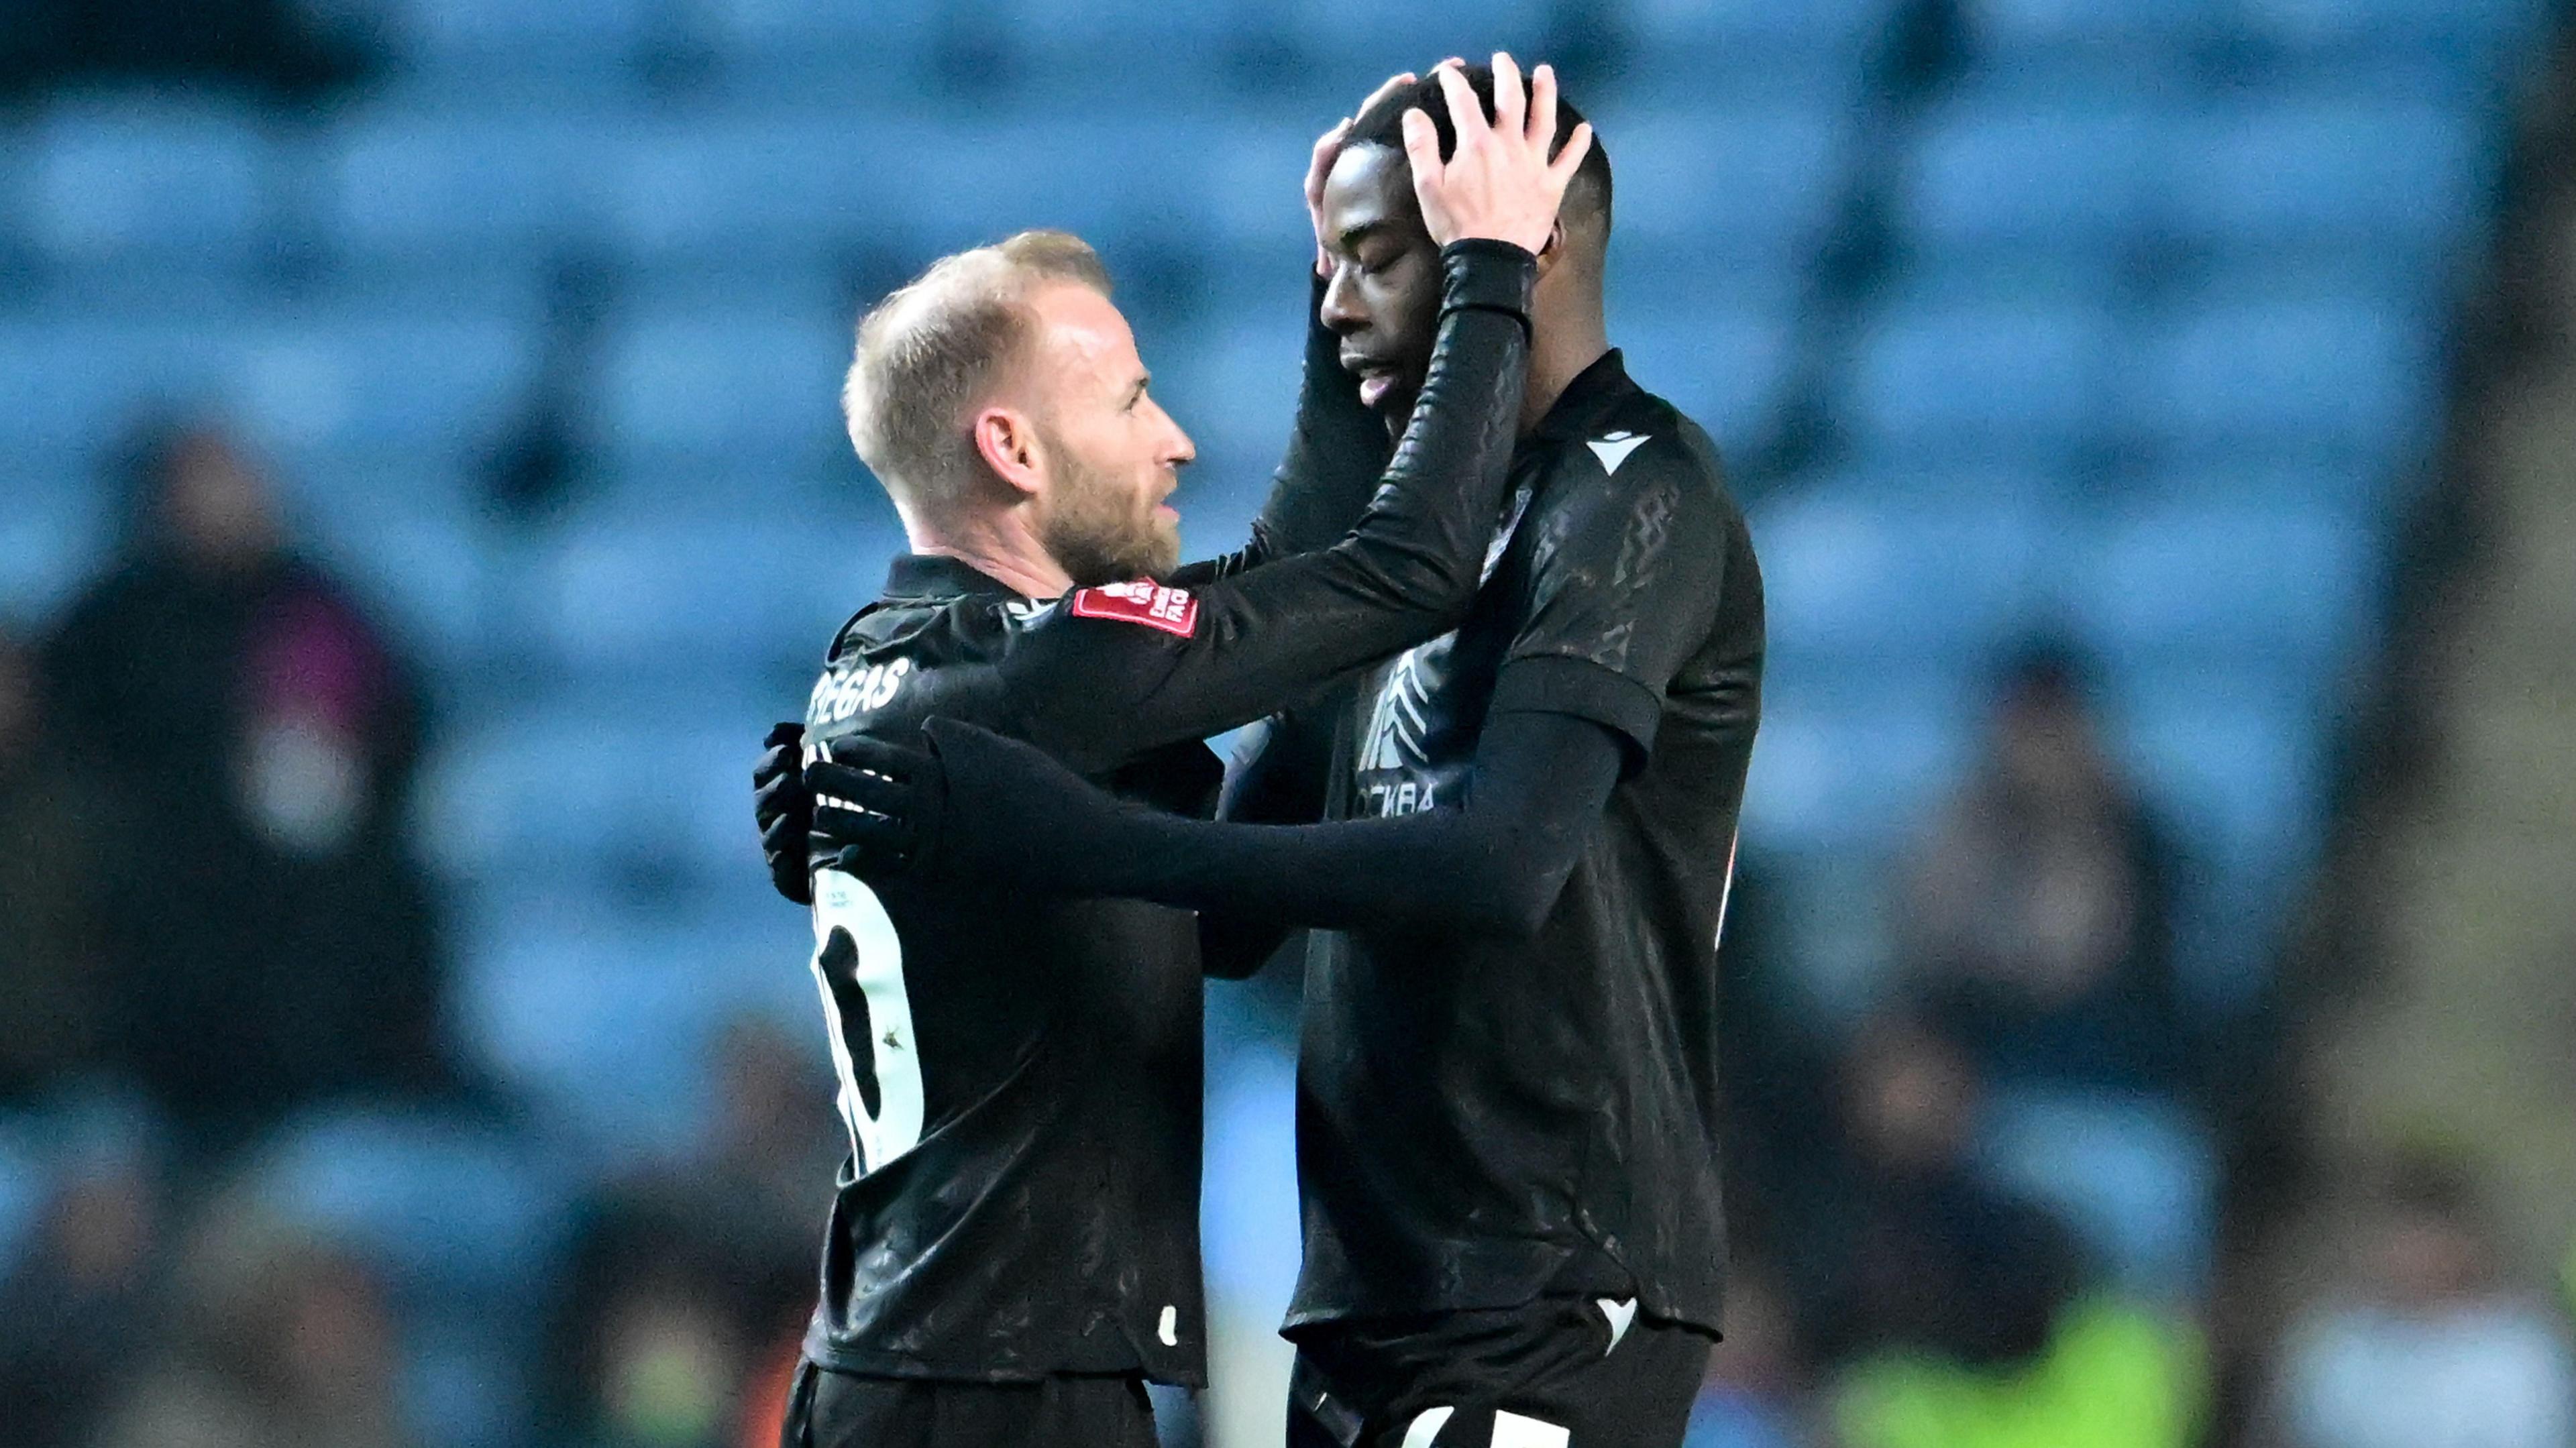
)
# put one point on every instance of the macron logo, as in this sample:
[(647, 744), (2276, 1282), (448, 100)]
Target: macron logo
[(1613, 448)]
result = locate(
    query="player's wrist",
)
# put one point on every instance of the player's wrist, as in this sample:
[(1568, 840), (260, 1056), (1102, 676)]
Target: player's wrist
[(1487, 272)]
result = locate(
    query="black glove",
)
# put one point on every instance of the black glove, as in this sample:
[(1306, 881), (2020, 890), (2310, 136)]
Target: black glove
[(784, 811), (875, 805), (972, 805)]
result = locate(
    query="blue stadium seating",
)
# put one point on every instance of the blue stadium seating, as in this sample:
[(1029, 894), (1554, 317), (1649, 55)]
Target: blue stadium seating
[(423, 570), (622, 598), (445, 1206), (79, 382), (2004, 379), (1717, 42), (489, 47), (1871, 583), (55, 532), (2472, 34), (149, 184), (1855, 773), (1728, 185), (2352, 172), (605, 1025), (2135, 1177), (1727, 370), (702, 383), (498, 191), (2280, 586), (424, 388), (25, 1181), (1350, 45), (2284, 379), (2012, 33), (759, 190), (2000, 168)]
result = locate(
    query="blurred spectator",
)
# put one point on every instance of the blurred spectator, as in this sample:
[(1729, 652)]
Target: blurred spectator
[(1901, 1245), (52, 894), (687, 1279), (1962, 1316), (2037, 911), (75, 1308), (2427, 1348), (281, 945), (283, 1340), (1755, 1389)]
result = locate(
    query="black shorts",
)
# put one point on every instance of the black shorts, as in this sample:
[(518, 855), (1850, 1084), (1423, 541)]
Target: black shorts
[(1559, 1373), (830, 1409)]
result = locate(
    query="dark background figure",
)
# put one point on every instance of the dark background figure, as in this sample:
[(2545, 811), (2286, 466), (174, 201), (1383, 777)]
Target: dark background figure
[(53, 866), (74, 1311), (277, 1336), (662, 1357), (278, 943), (1903, 1246), (2036, 920)]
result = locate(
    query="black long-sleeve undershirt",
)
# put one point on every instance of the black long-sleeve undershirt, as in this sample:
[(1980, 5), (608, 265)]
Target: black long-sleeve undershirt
[(1495, 865)]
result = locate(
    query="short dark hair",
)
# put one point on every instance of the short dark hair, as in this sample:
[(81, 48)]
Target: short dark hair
[(1383, 125)]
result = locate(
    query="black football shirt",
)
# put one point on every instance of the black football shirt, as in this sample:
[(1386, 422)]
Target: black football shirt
[(1020, 1076), (1481, 1121)]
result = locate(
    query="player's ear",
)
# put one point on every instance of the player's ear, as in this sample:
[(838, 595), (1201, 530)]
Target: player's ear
[(1008, 443), (1552, 250)]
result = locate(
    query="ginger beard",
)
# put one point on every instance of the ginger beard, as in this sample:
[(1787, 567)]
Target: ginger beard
[(1101, 528)]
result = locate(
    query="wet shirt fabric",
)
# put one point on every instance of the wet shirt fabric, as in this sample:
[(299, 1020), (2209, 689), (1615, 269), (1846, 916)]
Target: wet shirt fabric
[(1021, 1077), (1485, 1121)]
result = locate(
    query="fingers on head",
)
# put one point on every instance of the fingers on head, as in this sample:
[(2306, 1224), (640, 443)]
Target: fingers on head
[(1542, 112), (1421, 141), (1571, 158), (1466, 117), (1510, 102)]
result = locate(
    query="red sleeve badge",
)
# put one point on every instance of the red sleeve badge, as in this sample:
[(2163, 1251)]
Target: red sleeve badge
[(1170, 609)]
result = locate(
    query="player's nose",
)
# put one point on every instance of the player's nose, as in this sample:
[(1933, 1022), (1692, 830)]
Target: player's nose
[(1177, 448), (1341, 312)]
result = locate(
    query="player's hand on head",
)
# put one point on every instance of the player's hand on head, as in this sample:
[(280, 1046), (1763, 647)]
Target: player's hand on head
[(1498, 182), (784, 812), (877, 806), (1328, 149)]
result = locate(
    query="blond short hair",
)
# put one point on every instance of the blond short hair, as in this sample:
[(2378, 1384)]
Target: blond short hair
[(934, 348)]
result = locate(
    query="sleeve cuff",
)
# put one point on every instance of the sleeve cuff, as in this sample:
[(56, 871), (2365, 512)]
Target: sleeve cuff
[(1562, 684), (1482, 272)]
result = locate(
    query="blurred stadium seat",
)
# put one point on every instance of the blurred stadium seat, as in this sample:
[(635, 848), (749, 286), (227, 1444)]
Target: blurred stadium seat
[(495, 192), (1734, 185), (2136, 1178), (2010, 33), (699, 383), (150, 184), (2009, 379), (2284, 379), (2351, 172), (2023, 171), (55, 534)]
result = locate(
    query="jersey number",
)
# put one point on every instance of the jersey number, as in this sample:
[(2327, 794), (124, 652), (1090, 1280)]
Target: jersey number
[(858, 965)]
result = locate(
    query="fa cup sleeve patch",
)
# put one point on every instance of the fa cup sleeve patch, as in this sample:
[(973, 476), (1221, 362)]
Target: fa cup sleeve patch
[(1170, 609)]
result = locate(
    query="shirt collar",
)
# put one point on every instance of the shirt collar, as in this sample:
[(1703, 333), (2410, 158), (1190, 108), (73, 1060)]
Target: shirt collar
[(932, 575), (1594, 391)]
